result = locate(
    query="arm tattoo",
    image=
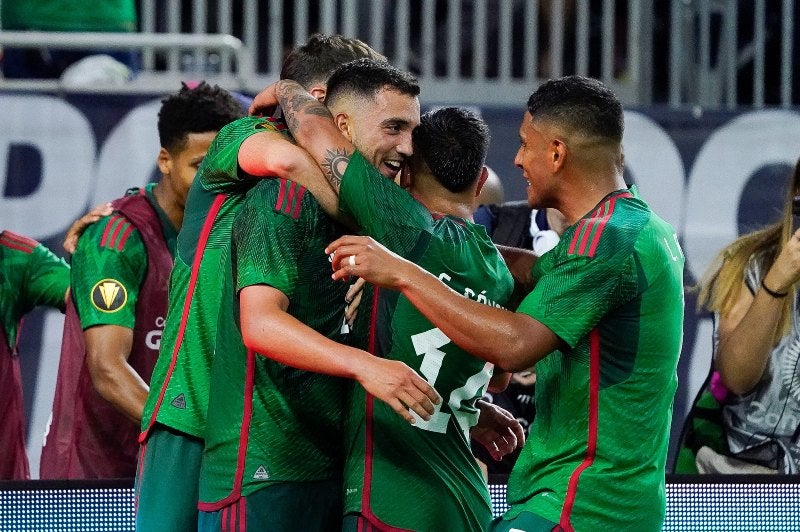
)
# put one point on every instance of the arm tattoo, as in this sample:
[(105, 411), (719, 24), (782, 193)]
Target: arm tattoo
[(295, 101), (335, 164)]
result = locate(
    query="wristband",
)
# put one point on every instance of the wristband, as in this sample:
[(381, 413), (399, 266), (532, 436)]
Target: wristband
[(776, 295)]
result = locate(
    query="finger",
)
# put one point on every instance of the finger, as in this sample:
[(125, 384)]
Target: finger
[(341, 257), (69, 245), (350, 312), (342, 241), (401, 410), (429, 391), (505, 445), (415, 406), (355, 290), (519, 434)]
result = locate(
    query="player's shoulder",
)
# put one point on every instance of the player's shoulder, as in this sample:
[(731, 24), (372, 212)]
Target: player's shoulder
[(259, 123), (283, 197), (610, 229), (17, 242), (114, 232)]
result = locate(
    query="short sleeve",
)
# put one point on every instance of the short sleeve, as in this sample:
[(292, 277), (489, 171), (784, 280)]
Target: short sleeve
[(572, 297), (108, 268), (47, 279), (269, 235), (220, 171)]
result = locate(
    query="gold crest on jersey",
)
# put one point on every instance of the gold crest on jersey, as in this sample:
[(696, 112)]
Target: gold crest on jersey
[(109, 295)]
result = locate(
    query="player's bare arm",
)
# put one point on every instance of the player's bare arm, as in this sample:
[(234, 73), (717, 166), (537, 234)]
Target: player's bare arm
[(271, 154), (510, 340), (107, 350), (314, 129), (520, 263), (263, 311)]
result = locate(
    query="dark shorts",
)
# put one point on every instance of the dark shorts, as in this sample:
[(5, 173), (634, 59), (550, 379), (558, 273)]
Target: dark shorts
[(286, 506), (525, 522), (166, 481)]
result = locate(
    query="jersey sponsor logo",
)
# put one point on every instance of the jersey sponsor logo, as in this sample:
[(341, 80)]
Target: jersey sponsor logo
[(261, 473), (109, 295), (179, 401)]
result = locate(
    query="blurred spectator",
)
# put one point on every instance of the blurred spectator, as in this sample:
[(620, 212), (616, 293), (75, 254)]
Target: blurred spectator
[(58, 16), (752, 291), (30, 275)]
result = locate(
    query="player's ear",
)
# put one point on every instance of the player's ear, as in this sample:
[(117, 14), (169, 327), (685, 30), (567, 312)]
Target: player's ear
[(558, 154), (344, 125), (318, 92), (164, 161)]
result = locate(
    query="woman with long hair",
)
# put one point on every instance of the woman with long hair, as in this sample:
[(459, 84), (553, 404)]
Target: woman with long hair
[(752, 290)]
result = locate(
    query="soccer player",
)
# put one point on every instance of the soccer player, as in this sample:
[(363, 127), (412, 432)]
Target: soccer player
[(603, 323), (288, 422), (30, 275), (119, 299), (400, 476), (175, 416)]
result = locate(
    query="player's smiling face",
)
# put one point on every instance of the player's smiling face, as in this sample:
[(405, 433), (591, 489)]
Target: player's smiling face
[(381, 130), (532, 158)]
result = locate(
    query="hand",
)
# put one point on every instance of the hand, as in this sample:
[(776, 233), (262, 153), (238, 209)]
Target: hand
[(265, 102), (785, 271), (398, 386), (79, 226), (363, 257), (353, 300), (497, 430)]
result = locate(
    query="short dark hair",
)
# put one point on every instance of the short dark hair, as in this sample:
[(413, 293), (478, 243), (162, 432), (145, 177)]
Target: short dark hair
[(201, 109), (366, 77), (452, 142), (315, 60), (580, 103)]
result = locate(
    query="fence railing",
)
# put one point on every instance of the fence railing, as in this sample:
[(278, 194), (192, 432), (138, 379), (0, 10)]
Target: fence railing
[(713, 53)]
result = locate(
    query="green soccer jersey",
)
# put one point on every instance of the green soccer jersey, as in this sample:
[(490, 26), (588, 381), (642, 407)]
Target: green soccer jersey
[(111, 259), (612, 290), (30, 275), (268, 422), (421, 476), (179, 386)]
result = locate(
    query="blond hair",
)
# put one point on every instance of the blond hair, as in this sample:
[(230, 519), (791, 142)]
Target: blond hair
[(720, 284)]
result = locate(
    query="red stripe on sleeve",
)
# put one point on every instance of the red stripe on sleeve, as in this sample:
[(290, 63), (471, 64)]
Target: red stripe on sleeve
[(576, 236), (109, 226), (124, 238), (18, 242), (281, 194), (290, 198), (601, 224), (15, 246), (298, 202)]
